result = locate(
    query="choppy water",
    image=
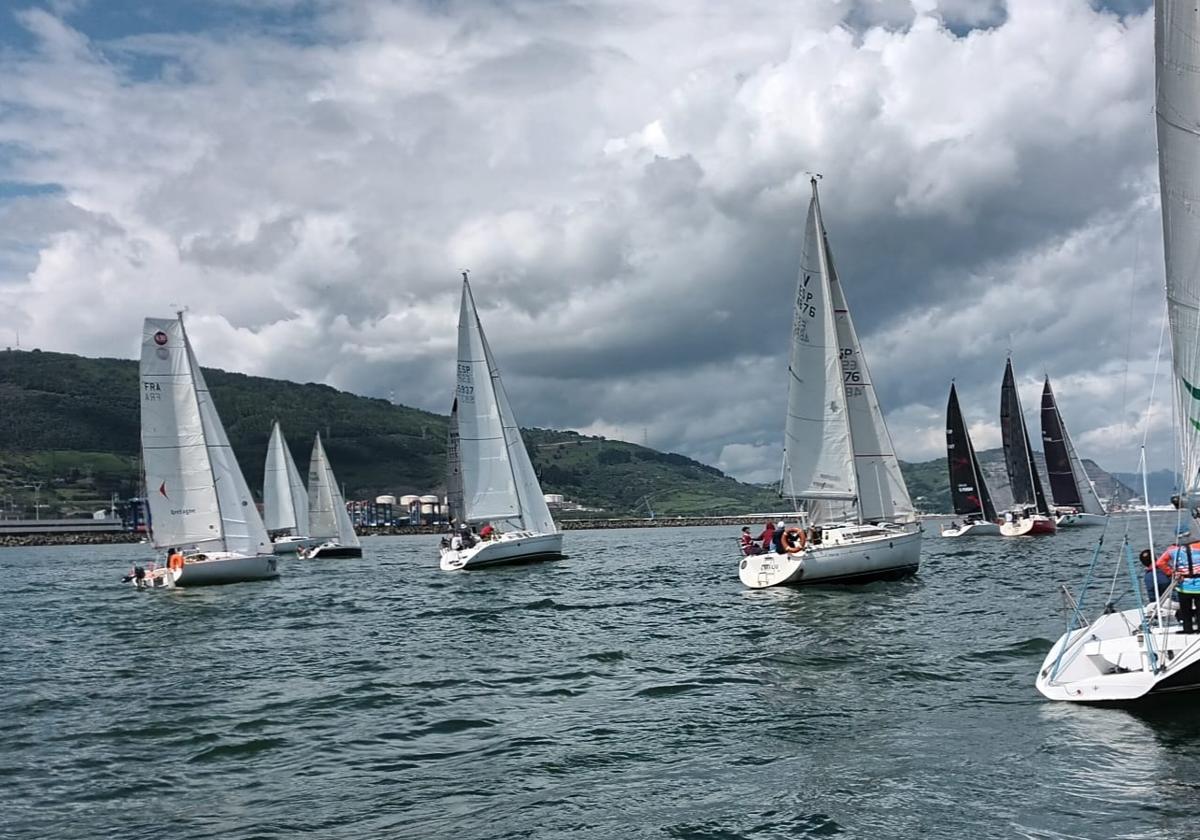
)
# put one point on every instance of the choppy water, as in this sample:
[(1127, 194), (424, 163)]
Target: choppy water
[(635, 690)]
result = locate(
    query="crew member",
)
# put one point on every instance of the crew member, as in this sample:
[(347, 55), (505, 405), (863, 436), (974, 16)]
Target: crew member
[(1185, 566), (749, 546), (1155, 581), (767, 536)]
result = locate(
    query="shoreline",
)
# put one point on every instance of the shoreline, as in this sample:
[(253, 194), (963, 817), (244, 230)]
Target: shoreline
[(129, 538)]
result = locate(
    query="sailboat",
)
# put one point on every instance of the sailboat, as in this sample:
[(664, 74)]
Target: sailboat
[(968, 490), (285, 501), (328, 520), (198, 498), (498, 484), (1137, 654), (1075, 499), (1029, 514), (857, 520)]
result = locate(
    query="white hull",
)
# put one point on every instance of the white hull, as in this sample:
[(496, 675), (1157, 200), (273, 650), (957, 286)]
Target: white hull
[(1028, 526), (227, 568), (1079, 520), (291, 545), (1110, 661), (847, 554), (973, 529), (513, 547)]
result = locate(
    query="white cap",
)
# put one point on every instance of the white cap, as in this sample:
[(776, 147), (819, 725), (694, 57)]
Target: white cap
[(779, 524)]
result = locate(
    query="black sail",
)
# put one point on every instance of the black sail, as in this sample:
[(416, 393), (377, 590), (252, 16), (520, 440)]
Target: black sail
[(1063, 485), (454, 482), (968, 491), (1018, 454)]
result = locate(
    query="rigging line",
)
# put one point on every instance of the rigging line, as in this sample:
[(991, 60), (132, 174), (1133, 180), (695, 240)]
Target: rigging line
[(1146, 432)]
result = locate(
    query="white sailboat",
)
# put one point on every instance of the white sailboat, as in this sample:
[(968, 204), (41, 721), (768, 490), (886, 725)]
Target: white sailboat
[(285, 501), (857, 520), (1138, 654), (198, 498), (1075, 500), (495, 476), (328, 520)]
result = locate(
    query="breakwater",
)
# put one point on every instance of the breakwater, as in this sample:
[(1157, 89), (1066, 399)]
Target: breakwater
[(28, 540)]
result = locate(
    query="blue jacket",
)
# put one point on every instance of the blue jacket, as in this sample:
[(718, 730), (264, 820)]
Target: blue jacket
[(1148, 580)]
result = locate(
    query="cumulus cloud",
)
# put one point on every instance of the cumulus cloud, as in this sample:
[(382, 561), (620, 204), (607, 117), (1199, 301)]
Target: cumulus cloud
[(627, 183)]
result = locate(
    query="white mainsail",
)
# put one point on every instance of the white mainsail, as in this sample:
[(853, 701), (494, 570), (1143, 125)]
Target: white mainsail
[(1177, 110), (328, 518), (499, 483), (285, 501), (818, 463), (882, 493), (181, 493), (197, 493)]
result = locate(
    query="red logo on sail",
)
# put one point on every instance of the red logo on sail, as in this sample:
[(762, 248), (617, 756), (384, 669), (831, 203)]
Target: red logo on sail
[(162, 488), (160, 338)]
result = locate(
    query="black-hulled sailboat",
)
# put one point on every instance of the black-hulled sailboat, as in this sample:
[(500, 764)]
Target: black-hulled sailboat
[(1029, 514), (968, 491), (1075, 499)]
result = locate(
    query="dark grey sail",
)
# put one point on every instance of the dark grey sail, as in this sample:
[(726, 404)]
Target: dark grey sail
[(1018, 454), (454, 482), (1064, 485), (968, 491)]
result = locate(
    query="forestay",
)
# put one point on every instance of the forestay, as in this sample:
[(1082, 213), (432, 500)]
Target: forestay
[(1177, 57), (285, 501), (817, 460)]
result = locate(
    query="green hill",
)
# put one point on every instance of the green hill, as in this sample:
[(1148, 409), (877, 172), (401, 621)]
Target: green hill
[(71, 423)]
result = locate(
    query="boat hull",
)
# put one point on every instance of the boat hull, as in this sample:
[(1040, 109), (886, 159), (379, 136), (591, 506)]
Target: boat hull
[(330, 551), (220, 569), (973, 529), (1028, 526), (1106, 663), (852, 555), (291, 545), (510, 548), (1080, 520)]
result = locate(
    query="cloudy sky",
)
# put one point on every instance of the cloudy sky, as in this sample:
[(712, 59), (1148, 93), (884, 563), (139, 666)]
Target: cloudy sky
[(626, 181)]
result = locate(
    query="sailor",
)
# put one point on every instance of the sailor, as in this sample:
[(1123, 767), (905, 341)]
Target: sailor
[(749, 546), (777, 539), (767, 536), (1154, 588), (485, 533), (1179, 558)]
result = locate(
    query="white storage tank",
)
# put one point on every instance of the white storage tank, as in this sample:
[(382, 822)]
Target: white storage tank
[(407, 501), (553, 498), (385, 500)]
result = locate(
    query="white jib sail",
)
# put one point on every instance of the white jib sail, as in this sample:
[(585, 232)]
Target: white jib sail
[(1177, 107), (535, 514), (343, 527), (882, 493), (1087, 491), (181, 491), (285, 501), (243, 526), (489, 485), (817, 459)]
